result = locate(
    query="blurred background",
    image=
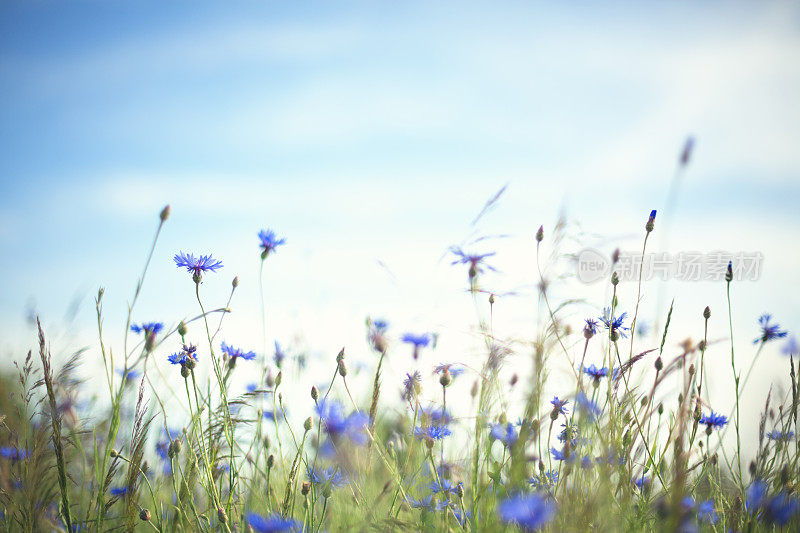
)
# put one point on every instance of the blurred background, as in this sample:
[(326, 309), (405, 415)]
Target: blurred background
[(370, 136)]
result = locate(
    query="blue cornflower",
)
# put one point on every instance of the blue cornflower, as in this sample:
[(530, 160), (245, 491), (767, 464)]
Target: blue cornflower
[(272, 523), (559, 406), (380, 325), (437, 415), (547, 480), (280, 355), (412, 385), (595, 372), (476, 261), (769, 331), (118, 491), (148, 328), (590, 329), (642, 482), (269, 241), (530, 511), (777, 509), (341, 427), (327, 476), (616, 325), (780, 435), (455, 369), (132, 374), (424, 503), (791, 347), (569, 433), (713, 420), (706, 512), (780, 509), (9, 452), (197, 265), (461, 517), (419, 341), (587, 406), (431, 432), (445, 486), (505, 434), (558, 455), (235, 353), (186, 353)]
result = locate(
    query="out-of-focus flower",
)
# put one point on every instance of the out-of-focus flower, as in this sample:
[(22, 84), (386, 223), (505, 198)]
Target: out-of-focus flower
[(269, 241), (506, 434), (431, 432), (615, 324), (272, 523), (236, 353), (148, 328), (769, 331), (530, 512)]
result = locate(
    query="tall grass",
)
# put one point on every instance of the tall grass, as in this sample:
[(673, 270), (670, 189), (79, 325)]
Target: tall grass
[(619, 448)]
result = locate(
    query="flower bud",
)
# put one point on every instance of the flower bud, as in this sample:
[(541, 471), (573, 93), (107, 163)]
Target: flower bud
[(100, 293), (615, 257), (278, 379), (514, 379), (185, 372), (340, 356), (659, 364), (342, 369), (266, 442), (729, 272), (174, 448), (114, 453), (235, 282), (615, 278), (165, 213), (650, 221), (691, 369), (182, 329), (270, 461), (540, 234), (445, 379), (314, 393), (460, 490), (491, 299), (308, 424), (306, 488), (660, 409), (144, 515), (707, 313)]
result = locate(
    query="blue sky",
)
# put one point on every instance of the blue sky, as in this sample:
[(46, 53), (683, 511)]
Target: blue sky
[(370, 135)]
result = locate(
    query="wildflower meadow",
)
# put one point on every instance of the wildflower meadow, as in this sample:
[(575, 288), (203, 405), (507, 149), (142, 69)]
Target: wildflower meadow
[(632, 442)]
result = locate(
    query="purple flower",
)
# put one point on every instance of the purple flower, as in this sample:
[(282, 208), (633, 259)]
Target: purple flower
[(235, 353), (791, 347), (455, 369), (587, 406), (505, 434), (431, 432), (714, 420), (476, 262), (13, 454), (419, 341), (197, 265), (530, 512), (559, 406), (780, 435), (186, 353), (437, 415), (769, 331), (340, 427), (272, 523), (411, 385), (334, 477), (148, 328), (269, 241), (446, 486), (595, 372), (118, 491), (642, 482), (615, 324), (590, 329)]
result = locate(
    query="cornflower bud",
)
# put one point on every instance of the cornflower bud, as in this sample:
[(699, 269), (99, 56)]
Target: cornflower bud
[(650, 221), (540, 234), (615, 278), (342, 369), (445, 379), (235, 282), (165, 213), (144, 515), (306, 488), (308, 424), (182, 329), (114, 452), (270, 461), (314, 393), (707, 313), (340, 356), (729, 272), (615, 257), (491, 299), (691, 369), (278, 379)]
